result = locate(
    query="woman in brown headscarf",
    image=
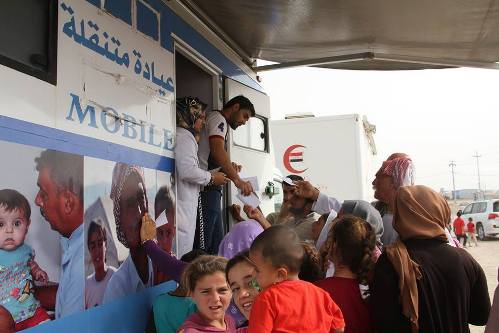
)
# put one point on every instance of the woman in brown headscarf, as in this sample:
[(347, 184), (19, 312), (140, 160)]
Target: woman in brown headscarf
[(421, 284)]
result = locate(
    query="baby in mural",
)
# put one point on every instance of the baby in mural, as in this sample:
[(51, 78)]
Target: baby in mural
[(17, 265)]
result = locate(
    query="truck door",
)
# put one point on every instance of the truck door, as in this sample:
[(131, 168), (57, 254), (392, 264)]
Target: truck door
[(249, 145)]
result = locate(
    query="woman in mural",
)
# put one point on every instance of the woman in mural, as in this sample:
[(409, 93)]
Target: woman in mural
[(128, 192), (190, 177)]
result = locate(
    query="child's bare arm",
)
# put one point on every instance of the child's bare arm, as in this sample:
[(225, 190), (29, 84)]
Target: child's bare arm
[(257, 215), (38, 273)]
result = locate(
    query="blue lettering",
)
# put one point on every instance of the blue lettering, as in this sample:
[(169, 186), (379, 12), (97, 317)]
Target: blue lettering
[(115, 119), (143, 131), (129, 126), (167, 139), (151, 136), (90, 110)]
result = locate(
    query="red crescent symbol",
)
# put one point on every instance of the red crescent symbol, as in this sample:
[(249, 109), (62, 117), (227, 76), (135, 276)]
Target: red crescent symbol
[(286, 159)]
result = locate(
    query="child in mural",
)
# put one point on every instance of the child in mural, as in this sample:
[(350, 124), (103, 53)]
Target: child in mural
[(128, 192), (165, 234), (95, 284), (17, 265)]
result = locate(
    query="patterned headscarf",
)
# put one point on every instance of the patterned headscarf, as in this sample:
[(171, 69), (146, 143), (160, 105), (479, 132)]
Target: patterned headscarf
[(189, 109), (400, 169), (121, 172)]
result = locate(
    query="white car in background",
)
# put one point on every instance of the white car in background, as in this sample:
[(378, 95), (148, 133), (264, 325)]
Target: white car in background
[(485, 214)]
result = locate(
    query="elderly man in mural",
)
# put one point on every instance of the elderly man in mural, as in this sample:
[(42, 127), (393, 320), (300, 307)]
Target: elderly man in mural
[(60, 198), (128, 192)]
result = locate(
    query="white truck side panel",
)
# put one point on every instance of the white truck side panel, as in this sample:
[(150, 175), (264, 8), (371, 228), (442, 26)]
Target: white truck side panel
[(331, 152), (112, 84)]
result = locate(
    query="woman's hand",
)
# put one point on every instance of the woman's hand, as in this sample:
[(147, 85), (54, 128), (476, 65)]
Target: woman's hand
[(148, 228), (219, 178)]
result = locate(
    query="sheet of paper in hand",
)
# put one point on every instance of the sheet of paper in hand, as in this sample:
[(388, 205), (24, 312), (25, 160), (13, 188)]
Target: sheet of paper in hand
[(250, 200), (161, 220), (253, 181)]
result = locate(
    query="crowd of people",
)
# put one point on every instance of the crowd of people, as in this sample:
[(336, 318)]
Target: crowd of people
[(320, 264)]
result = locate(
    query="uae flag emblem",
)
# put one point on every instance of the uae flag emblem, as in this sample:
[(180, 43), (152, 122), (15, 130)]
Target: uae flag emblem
[(293, 159)]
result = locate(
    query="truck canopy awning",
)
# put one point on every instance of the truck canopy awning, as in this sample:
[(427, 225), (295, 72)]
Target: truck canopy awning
[(357, 34)]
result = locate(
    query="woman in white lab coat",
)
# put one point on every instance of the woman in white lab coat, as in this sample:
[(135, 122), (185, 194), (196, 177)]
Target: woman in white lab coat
[(190, 177)]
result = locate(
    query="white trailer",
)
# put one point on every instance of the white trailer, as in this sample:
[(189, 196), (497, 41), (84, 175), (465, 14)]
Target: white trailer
[(334, 153)]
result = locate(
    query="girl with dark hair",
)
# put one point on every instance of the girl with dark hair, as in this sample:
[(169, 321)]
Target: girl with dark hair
[(310, 269), (241, 274), (352, 244)]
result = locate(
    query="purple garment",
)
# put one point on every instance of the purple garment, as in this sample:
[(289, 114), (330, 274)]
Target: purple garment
[(196, 324), (165, 262), (233, 311), (239, 238)]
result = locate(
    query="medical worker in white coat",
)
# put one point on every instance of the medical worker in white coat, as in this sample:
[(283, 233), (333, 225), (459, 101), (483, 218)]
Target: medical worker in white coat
[(190, 177)]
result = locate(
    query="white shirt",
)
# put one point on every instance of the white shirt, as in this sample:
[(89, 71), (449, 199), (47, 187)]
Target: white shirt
[(216, 126), (189, 179), (325, 230), (126, 281), (325, 204), (94, 290)]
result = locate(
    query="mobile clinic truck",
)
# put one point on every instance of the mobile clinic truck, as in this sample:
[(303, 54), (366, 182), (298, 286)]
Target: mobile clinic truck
[(87, 91), (87, 109), (336, 154)]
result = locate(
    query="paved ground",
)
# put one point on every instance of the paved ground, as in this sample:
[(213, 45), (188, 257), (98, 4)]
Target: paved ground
[(487, 255)]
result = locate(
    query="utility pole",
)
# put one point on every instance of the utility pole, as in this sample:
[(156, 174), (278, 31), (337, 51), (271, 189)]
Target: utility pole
[(478, 171), (452, 164)]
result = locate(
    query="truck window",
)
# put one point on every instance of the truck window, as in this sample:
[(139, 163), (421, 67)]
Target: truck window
[(495, 207), (253, 135), (483, 207), (467, 210), (28, 41)]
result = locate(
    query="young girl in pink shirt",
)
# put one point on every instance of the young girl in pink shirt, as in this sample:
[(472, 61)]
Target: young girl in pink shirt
[(207, 286)]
